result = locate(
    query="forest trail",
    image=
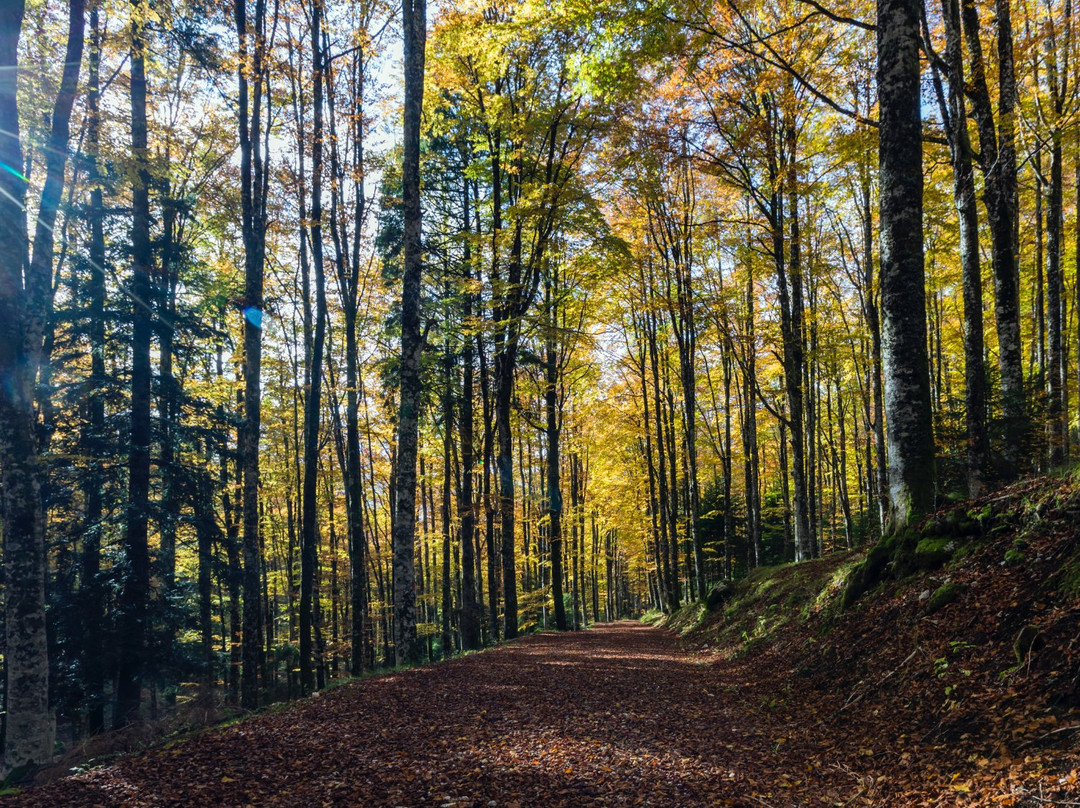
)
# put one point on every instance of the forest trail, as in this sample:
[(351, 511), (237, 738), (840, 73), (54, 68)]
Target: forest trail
[(617, 715)]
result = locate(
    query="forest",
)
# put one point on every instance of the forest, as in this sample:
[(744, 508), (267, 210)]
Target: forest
[(341, 337)]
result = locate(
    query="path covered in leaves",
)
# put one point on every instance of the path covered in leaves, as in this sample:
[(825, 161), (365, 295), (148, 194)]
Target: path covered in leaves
[(617, 715)]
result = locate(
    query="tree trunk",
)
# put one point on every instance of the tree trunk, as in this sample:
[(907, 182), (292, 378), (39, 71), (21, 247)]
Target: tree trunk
[(136, 587), (253, 216), (309, 535), (447, 473), (903, 295), (94, 604), (28, 730), (470, 608), (997, 153), (955, 111), (406, 648), (554, 489)]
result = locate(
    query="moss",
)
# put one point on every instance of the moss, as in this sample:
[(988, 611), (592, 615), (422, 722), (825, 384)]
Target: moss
[(687, 618), (932, 553), (892, 557), (944, 595), (957, 524), (1014, 556)]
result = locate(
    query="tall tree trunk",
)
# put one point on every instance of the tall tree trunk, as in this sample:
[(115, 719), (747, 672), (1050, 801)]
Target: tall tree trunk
[(554, 489), (93, 605), (997, 153), (447, 474), (903, 294), (253, 217), (406, 648), (489, 506), (470, 608), (667, 541), (1055, 237), (751, 466), (789, 284), (309, 536), (136, 587), (504, 463), (24, 303), (955, 112)]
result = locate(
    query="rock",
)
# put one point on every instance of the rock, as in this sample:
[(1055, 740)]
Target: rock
[(924, 595), (719, 595)]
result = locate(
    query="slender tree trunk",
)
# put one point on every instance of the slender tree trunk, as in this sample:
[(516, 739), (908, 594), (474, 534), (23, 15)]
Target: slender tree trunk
[(955, 111), (27, 726), (470, 607), (309, 536), (94, 604), (1055, 237), (406, 648), (448, 425), (504, 463), (135, 592), (489, 506), (252, 204), (667, 541), (554, 489), (997, 154)]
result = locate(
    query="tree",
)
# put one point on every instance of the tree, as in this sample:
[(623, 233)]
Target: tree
[(313, 400), (25, 299), (406, 649), (136, 589), (903, 290), (254, 179)]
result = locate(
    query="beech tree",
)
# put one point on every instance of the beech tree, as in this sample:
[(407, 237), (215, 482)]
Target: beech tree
[(643, 298), (903, 286), (414, 20), (25, 299)]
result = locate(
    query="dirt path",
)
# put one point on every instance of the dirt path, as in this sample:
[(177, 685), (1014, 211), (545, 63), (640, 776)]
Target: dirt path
[(613, 716)]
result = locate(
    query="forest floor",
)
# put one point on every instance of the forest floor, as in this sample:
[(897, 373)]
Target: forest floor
[(958, 685), (622, 714), (618, 715)]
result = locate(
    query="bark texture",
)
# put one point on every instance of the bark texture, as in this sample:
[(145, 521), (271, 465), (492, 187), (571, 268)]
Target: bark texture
[(903, 294), (406, 647)]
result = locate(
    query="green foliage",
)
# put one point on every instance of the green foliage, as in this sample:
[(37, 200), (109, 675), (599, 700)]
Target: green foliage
[(1015, 556), (766, 600)]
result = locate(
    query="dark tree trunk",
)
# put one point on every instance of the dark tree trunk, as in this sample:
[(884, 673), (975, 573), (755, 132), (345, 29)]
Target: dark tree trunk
[(136, 587), (24, 304), (955, 114), (1055, 237), (309, 535), (554, 489), (253, 217), (93, 603), (997, 154), (406, 648), (447, 474), (470, 607), (489, 506), (667, 541)]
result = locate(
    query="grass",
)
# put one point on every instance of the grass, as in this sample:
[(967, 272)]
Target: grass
[(766, 600)]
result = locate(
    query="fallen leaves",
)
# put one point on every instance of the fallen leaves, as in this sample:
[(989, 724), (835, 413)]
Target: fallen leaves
[(623, 715)]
